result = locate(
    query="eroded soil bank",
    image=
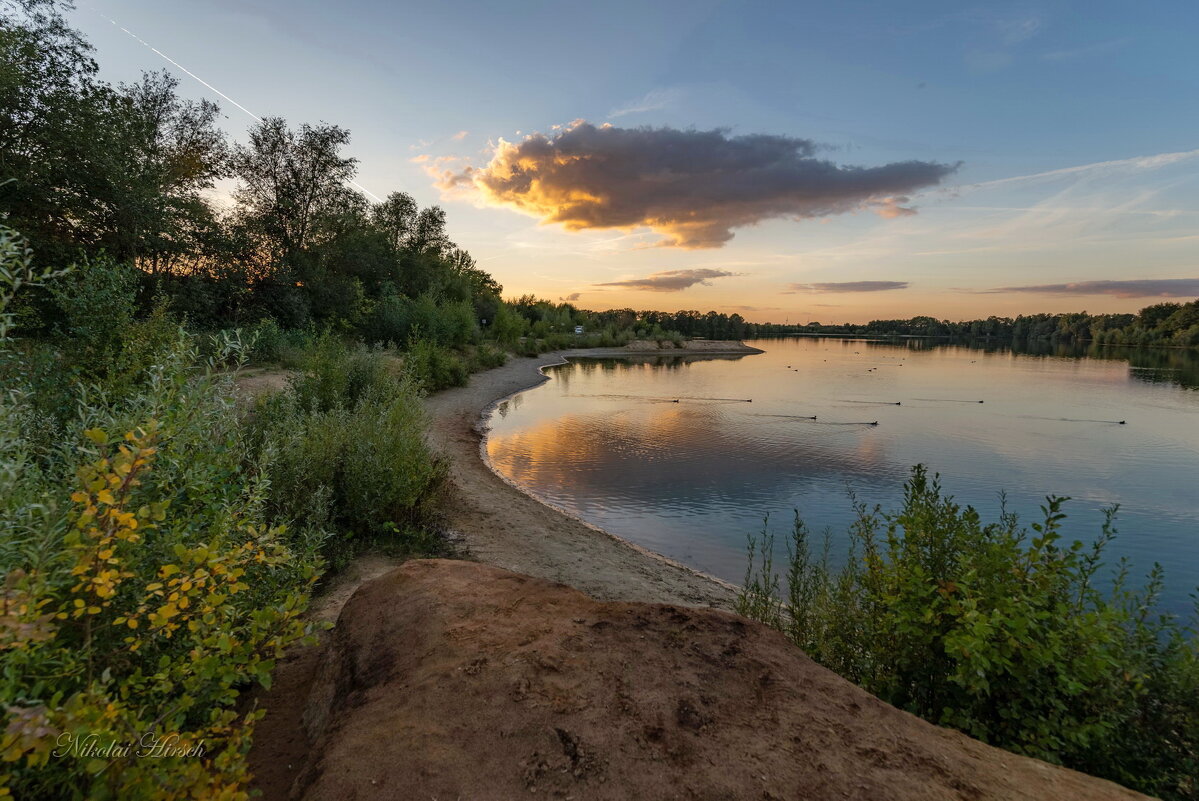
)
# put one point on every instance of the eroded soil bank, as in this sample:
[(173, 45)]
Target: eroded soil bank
[(456, 680)]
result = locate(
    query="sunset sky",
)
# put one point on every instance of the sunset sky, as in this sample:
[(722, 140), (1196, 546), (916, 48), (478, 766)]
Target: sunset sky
[(788, 161)]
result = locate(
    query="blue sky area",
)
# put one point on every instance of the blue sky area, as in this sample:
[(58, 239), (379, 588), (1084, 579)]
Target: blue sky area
[(1099, 95)]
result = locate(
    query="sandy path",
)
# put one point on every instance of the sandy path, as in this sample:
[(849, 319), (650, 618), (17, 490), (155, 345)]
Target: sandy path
[(502, 526)]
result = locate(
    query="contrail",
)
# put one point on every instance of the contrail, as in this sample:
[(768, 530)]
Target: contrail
[(182, 68), (1137, 162), (211, 88)]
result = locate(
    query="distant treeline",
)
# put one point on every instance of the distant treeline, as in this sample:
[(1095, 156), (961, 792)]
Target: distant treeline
[(1159, 324)]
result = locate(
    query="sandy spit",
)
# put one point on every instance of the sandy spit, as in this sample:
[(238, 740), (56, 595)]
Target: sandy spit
[(502, 525)]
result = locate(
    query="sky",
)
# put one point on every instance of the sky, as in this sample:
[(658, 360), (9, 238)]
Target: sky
[(790, 162)]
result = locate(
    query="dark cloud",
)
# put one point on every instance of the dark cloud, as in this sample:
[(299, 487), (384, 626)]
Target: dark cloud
[(573, 296), (672, 280), (692, 187), (1135, 288), (847, 286)]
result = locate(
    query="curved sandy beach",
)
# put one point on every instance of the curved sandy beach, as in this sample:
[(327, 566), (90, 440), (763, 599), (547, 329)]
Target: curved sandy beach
[(501, 525)]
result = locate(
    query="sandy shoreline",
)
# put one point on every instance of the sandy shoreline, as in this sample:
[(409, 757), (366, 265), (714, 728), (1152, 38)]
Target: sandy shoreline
[(501, 525), (498, 524)]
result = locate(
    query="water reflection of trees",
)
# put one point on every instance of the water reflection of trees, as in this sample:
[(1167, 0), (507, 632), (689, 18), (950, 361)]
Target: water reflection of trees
[(1174, 366), (1156, 365), (611, 364)]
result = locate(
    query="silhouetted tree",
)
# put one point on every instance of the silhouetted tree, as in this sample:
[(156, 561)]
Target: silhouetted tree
[(289, 179)]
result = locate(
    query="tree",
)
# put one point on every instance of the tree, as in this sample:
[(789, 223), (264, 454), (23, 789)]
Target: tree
[(429, 237), (396, 219), (50, 104), (1152, 316), (164, 152), (1184, 318), (289, 179), (96, 168)]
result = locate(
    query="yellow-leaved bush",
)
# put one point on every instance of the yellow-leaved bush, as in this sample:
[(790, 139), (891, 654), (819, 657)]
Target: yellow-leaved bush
[(144, 658), (146, 585)]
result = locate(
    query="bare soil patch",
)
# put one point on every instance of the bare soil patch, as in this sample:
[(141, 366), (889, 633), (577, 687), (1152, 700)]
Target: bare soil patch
[(456, 680)]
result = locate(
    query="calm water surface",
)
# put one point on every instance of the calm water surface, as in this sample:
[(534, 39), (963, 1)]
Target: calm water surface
[(604, 440)]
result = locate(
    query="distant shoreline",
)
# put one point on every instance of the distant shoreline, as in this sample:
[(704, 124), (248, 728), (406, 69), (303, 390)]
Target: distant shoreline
[(991, 340)]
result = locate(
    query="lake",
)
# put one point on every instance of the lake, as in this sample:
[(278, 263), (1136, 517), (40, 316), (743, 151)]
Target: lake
[(666, 451)]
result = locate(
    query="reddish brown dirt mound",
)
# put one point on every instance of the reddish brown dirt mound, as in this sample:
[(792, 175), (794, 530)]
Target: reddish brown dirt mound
[(455, 680)]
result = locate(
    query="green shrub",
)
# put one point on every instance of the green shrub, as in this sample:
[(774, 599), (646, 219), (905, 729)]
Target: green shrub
[(1000, 632), (508, 326), (96, 303), (273, 344), (396, 319), (528, 346), (333, 374), (456, 325), (434, 367), (390, 321), (160, 548), (17, 271), (346, 441), (487, 357)]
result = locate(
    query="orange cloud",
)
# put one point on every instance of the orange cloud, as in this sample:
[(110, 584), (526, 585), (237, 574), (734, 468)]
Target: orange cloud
[(691, 187), (890, 208)]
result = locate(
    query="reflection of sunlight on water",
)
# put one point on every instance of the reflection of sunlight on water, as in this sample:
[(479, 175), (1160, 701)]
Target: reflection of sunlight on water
[(605, 440)]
